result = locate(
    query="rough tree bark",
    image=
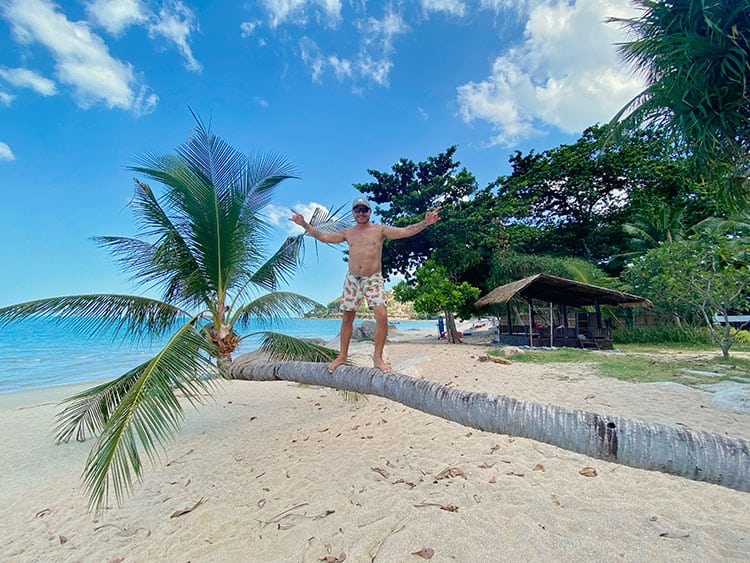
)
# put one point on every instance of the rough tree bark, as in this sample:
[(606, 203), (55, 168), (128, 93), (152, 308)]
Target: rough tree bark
[(697, 455)]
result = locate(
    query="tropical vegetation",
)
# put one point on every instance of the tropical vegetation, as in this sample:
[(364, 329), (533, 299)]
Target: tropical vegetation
[(202, 246), (654, 202), (695, 56)]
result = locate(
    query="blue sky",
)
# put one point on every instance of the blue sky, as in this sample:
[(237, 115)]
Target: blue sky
[(336, 87)]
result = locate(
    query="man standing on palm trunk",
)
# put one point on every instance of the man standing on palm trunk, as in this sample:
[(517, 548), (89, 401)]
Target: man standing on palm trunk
[(364, 278)]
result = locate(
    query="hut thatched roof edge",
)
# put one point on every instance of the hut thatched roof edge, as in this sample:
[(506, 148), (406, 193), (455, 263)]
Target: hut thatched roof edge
[(561, 291)]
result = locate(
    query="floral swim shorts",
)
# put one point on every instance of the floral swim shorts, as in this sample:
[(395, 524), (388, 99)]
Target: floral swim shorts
[(357, 287)]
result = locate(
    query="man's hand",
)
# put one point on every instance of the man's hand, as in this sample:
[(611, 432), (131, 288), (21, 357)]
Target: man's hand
[(298, 219), (432, 217)]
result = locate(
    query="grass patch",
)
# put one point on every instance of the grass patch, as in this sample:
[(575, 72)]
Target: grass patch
[(640, 363)]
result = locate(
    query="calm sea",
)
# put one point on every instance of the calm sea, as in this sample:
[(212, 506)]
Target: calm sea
[(36, 353)]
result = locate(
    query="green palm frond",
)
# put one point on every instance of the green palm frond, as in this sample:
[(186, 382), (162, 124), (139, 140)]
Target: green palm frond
[(695, 58), (88, 411), (279, 267), (214, 198), (101, 313), (330, 221), (274, 306), (281, 347), (145, 416), (200, 243)]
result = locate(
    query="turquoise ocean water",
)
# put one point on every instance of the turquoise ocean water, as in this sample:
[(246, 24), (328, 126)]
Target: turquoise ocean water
[(37, 353)]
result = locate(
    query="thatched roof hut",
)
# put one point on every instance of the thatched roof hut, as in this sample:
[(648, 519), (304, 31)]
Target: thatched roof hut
[(561, 291)]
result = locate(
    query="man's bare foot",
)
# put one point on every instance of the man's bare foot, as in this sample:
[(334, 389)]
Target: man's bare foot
[(336, 363), (382, 365)]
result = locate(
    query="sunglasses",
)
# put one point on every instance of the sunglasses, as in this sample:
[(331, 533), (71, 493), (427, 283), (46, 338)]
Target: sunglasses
[(361, 210)]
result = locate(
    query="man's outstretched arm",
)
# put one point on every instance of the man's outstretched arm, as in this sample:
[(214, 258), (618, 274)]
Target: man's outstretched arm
[(430, 218), (330, 238)]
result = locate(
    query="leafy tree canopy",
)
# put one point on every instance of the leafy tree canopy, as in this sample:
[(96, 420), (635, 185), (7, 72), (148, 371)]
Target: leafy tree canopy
[(696, 59), (468, 230), (510, 266), (698, 277), (434, 292), (574, 199)]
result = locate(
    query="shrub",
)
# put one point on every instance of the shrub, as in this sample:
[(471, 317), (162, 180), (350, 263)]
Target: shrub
[(663, 334)]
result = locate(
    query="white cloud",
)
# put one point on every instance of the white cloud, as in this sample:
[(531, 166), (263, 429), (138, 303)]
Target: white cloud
[(5, 152), (5, 98), (82, 59), (452, 7), (116, 15), (342, 68), (175, 23), (298, 12), (279, 216), (379, 33), (247, 28), (372, 63), (24, 78), (565, 74)]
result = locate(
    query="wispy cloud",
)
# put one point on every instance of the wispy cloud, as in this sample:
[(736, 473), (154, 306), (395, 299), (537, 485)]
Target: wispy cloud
[(564, 74), (81, 57), (279, 216), (175, 23), (24, 78), (248, 28), (82, 60), (116, 15), (452, 7), (372, 63), (5, 152), (300, 12)]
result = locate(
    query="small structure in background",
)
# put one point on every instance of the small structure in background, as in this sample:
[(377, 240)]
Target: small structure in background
[(588, 330)]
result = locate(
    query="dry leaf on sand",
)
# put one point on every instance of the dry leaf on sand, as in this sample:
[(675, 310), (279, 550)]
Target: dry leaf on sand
[(425, 553), (179, 513)]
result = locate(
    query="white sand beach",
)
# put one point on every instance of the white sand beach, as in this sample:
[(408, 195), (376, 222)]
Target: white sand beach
[(283, 472)]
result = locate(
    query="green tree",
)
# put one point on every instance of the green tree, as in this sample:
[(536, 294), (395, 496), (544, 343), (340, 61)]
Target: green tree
[(573, 200), (695, 56), (203, 245), (701, 276), (433, 292), (467, 233), (649, 230), (510, 266)]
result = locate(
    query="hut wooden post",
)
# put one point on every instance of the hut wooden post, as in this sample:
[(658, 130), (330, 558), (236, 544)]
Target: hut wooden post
[(531, 325), (510, 322), (551, 327)]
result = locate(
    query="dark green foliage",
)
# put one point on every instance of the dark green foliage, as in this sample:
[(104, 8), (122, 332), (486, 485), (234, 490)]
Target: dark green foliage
[(663, 334), (573, 200), (695, 55), (467, 233)]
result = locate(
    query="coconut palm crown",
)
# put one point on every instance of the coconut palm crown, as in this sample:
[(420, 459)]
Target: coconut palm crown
[(202, 247), (695, 56)]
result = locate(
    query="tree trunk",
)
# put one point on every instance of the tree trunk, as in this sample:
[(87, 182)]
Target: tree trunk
[(696, 455), (450, 328)]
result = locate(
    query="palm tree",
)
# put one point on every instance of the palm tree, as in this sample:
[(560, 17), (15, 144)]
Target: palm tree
[(203, 246), (696, 58), (697, 455)]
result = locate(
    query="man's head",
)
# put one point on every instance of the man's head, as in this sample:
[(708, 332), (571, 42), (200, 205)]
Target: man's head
[(361, 210)]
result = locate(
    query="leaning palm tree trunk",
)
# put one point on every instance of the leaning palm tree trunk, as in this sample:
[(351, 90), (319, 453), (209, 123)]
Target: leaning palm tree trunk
[(697, 455)]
